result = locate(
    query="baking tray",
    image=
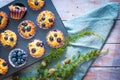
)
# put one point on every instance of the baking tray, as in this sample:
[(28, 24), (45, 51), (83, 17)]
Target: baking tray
[(40, 33)]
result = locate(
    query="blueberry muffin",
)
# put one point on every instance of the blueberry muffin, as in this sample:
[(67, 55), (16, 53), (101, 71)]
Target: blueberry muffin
[(55, 38), (17, 57), (3, 66), (36, 4), (17, 11), (3, 20), (45, 19), (8, 38), (36, 48), (27, 29)]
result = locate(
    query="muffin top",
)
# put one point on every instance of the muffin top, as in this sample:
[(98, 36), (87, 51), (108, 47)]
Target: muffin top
[(36, 4), (36, 48), (8, 38), (3, 66), (17, 6), (55, 38), (27, 29), (17, 57), (45, 19), (3, 20)]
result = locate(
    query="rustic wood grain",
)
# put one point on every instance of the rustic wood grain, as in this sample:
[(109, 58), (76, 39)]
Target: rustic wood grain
[(69, 9), (73, 8), (115, 34), (103, 73), (112, 58)]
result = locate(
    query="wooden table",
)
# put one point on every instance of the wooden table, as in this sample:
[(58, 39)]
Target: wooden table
[(106, 67)]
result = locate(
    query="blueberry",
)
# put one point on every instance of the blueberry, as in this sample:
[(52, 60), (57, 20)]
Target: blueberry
[(28, 28), (43, 25), (19, 53), (59, 40), (14, 54), (6, 37), (22, 61), (36, 3), (14, 60), (11, 39), (50, 20), (33, 50), (39, 44), (55, 30), (55, 35), (4, 64), (43, 18), (30, 35), (17, 7), (51, 38), (18, 61), (24, 24), (24, 56), (23, 29)]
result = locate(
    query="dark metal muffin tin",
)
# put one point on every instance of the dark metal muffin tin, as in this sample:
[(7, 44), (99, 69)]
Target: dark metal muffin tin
[(40, 33)]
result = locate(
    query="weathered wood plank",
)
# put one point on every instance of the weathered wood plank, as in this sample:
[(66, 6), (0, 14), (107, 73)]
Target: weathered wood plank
[(98, 73), (68, 9), (112, 58), (115, 34)]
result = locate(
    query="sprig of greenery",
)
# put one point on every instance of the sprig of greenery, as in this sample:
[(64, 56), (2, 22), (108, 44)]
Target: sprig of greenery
[(83, 33), (57, 53), (63, 71), (53, 55)]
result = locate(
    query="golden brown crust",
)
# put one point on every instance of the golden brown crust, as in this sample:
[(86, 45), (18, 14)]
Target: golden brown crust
[(8, 38), (27, 29), (36, 4), (3, 66), (3, 20), (38, 46), (55, 38), (45, 19)]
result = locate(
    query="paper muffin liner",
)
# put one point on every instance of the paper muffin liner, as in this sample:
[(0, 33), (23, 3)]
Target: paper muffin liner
[(17, 14), (27, 21), (43, 27), (9, 58), (55, 46), (37, 56)]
